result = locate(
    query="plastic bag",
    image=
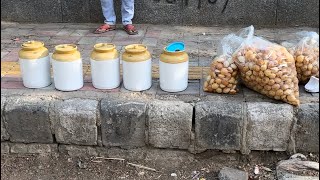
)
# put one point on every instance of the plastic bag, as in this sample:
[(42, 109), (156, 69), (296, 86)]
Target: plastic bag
[(269, 69), (305, 50), (223, 73)]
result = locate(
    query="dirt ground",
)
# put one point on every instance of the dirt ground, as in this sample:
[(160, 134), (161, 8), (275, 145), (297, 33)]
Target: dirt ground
[(206, 165)]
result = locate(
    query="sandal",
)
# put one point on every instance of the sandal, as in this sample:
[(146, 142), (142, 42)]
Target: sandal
[(130, 29), (105, 28)]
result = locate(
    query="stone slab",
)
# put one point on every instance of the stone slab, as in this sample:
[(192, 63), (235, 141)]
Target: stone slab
[(75, 121), (123, 124), (269, 126), (169, 124), (27, 119), (219, 124)]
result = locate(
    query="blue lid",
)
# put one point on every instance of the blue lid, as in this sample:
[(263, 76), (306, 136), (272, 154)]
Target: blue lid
[(175, 46)]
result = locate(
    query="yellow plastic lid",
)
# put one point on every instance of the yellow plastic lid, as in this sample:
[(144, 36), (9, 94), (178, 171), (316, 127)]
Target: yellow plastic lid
[(136, 48), (66, 48), (32, 45), (104, 47)]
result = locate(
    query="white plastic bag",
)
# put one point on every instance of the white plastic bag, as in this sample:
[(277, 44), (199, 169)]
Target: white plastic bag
[(223, 73), (269, 69), (305, 50)]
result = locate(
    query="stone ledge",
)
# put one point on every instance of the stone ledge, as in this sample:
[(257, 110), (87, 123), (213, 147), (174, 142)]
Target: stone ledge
[(135, 120)]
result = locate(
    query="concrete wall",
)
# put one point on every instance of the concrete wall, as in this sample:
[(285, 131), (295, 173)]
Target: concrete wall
[(177, 12)]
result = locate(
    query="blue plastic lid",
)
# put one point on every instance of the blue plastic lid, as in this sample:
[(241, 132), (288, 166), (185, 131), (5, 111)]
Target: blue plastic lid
[(175, 46)]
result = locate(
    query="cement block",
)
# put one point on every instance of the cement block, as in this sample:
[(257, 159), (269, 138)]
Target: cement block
[(169, 124), (27, 119), (219, 124), (307, 135), (269, 126), (75, 121), (123, 123)]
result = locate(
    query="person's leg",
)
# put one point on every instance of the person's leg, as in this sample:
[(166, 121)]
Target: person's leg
[(108, 12), (127, 11), (109, 15)]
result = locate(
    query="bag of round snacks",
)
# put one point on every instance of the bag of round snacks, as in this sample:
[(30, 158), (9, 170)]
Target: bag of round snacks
[(269, 69), (223, 72), (305, 51)]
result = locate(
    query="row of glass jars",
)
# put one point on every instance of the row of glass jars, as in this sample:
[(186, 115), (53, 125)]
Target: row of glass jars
[(105, 67)]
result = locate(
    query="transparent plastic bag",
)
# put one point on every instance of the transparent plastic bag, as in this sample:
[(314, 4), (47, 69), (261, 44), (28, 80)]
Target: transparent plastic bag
[(269, 69), (223, 73), (305, 50)]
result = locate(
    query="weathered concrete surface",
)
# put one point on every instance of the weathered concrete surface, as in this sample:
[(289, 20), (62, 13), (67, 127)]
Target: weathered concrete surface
[(123, 123), (231, 12), (178, 12), (31, 11), (169, 157), (4, 133), (18, 148), (307, 135), (269, 126), (298, 12), (75, 121), (77, 151), (169, 124), (128, 154), (219, 124), (27, 119), (5, 148), (227, 173)]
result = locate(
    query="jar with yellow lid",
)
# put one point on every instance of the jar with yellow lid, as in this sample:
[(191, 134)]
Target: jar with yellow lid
[(105, 66), (34, 64), (137, 68), (67, 68), (173, 71)]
